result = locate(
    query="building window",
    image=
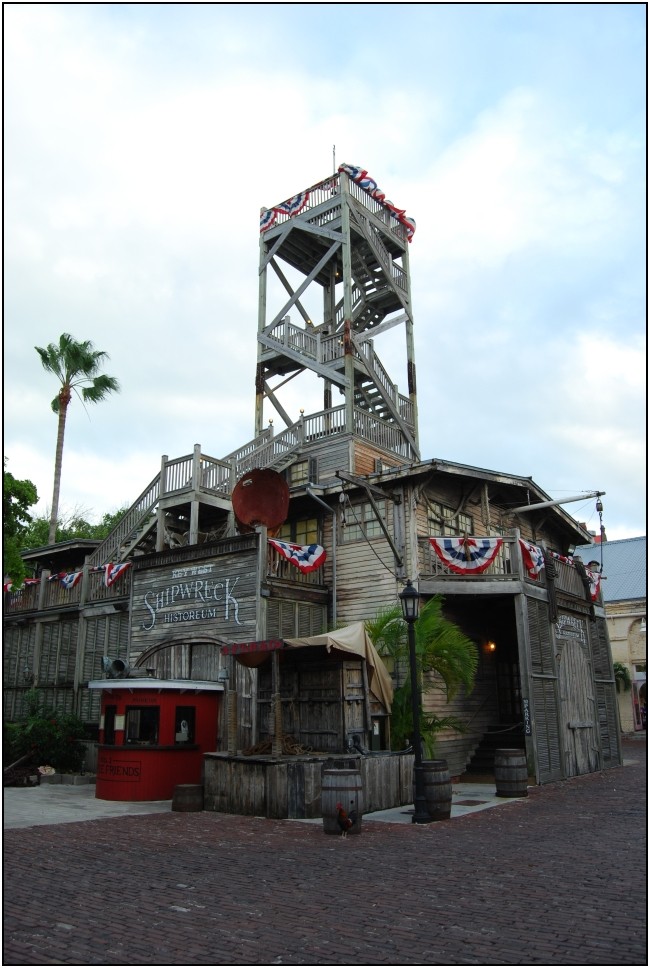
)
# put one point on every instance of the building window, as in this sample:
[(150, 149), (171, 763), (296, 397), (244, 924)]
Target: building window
[(443, 520), (299, 473), (304, 531), (361, 521), (185, 721), (142, 724)]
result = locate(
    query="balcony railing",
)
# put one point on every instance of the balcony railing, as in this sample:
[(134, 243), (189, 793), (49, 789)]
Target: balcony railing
[(50, 594), (327, 189), (280, 568), (507, 566), (504, 567)]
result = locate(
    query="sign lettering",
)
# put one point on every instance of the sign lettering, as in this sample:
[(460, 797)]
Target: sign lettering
[(570, 627), (239, 648), (202, 599), (112, 769)]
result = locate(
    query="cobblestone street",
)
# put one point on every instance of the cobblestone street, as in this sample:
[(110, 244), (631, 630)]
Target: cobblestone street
[(558, 878)]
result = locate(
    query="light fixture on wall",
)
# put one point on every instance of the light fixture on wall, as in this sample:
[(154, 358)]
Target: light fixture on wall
[(489, 647), (223, 675)]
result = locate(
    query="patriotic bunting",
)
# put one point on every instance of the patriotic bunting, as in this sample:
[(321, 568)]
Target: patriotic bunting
[(293, 206), (113, 572), (594, 584), (533, 558), (362, 178), (70, 579), (8, 586), (267, 218), (466, 556), (305, 557)]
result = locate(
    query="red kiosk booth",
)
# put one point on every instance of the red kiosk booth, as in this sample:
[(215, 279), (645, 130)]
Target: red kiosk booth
[(153, 734)]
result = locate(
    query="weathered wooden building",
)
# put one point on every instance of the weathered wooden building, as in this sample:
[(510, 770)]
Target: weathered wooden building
[(334, 258)]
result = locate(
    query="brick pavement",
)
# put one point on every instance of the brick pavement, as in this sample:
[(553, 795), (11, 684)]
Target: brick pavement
[(556, 879)]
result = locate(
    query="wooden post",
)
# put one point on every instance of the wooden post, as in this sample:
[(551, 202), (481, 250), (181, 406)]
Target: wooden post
[(232, 721), (346, 255), (160, 513), (38, 636), (276, 706), (261, 322), (194, 506)]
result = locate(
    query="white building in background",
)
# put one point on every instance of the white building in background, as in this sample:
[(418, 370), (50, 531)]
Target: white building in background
[(624, 590)]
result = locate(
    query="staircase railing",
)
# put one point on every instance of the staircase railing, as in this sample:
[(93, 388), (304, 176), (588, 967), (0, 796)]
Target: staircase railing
[(108, 550)]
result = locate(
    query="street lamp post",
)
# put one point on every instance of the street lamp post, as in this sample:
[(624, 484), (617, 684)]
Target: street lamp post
[(410, 604)]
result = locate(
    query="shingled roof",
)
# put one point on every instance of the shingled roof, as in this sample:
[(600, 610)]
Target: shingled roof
[(624, 565)]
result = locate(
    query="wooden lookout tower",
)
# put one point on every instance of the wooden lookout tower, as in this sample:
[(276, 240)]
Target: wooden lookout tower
[(343, 236)]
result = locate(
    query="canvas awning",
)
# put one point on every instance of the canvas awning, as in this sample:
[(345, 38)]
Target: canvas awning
[(351, 640)]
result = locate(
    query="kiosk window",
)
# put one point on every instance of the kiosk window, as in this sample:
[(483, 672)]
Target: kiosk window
[(185, 723), (142, 725)]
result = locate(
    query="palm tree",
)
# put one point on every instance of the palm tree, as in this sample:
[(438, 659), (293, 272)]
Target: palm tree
[(444, 655), (76, 366)]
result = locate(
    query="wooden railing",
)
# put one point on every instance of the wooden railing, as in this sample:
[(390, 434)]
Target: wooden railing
[(504, 567), (49, 593), (282, 569), (325, 190), (507, 565), (380, 433)]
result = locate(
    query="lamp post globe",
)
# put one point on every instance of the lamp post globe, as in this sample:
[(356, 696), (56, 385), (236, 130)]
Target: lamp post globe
[(410, 602)]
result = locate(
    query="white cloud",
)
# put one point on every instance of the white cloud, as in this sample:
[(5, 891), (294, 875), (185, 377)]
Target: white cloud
[(141, 143)]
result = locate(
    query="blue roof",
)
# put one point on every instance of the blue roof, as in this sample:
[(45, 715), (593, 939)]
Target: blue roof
[(624, 567)]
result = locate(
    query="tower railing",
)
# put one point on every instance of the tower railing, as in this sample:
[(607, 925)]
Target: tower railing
[(323, 192)]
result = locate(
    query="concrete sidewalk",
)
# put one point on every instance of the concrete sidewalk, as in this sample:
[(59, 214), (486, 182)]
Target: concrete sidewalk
[(66, 803)]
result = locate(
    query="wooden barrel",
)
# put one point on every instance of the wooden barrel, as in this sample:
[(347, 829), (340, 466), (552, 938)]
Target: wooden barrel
[(188, 797), (437, 788), (511, 773), (344, 787)]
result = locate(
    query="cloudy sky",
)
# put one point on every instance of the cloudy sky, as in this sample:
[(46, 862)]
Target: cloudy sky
[(141, 141)]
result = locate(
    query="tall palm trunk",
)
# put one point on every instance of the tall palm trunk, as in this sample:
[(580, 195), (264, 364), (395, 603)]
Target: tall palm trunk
[(64, 400)]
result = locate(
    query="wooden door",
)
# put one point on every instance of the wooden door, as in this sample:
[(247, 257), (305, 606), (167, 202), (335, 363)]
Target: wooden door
[(577, 710), (353, 700)]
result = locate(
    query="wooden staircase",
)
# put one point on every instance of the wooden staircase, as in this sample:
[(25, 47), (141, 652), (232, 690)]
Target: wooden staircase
[(497, 737)]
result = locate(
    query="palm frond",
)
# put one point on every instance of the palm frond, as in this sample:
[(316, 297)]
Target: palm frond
[(387, 631)]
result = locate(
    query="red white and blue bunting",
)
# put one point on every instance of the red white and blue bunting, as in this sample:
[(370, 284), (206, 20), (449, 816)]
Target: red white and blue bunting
[(113, 572), (594, 577), (297, 204), (305, 557), (292, 206), (71, 579), (533, 558), (362, 178), (466, 556), (594, 584)]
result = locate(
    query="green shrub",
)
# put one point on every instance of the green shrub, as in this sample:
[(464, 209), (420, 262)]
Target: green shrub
[(50, 738)]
